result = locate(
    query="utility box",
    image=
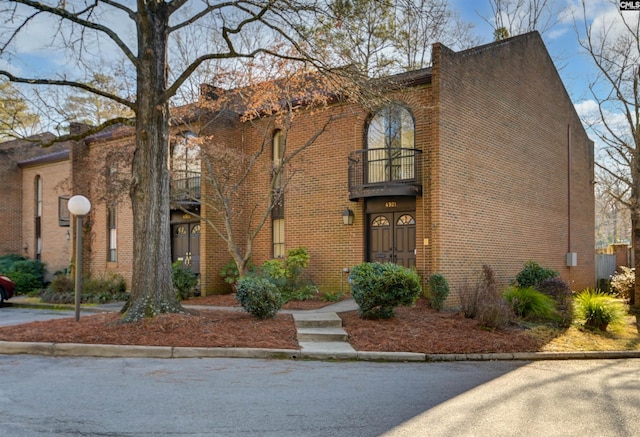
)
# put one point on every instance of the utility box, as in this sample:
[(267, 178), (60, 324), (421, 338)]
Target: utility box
[(572, 259)]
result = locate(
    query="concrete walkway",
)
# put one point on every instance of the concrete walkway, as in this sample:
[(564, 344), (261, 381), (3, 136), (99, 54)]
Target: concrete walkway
[(320, 336)]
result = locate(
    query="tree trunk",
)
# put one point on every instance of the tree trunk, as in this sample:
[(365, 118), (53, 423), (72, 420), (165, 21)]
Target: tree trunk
[(634, 300), (152, 290)]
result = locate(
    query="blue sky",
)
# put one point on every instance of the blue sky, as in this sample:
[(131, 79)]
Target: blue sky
[(575, 68), (561, 40)]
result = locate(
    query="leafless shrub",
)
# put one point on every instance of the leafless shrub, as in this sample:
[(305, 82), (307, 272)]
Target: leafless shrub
[(484, 302)]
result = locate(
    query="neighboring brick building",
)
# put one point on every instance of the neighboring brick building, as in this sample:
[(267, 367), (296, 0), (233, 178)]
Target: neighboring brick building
[(480, 159), (18, 207)]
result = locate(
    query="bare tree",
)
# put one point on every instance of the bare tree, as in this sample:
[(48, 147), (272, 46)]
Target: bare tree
[(378, 37), (515, 17), (420, 24), (228, 168), (91, 28), (613, 222), (614, 48)]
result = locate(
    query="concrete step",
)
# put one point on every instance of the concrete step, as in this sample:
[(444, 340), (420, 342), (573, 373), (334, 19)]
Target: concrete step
[(317, 320), (322, 334), (328, 350)]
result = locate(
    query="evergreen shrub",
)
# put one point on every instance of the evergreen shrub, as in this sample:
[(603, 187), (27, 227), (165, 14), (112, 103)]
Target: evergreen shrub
[(379, 288), (258, 296), (532, 274), (28, 274), (562, 294), (438, 291), (184, 280)]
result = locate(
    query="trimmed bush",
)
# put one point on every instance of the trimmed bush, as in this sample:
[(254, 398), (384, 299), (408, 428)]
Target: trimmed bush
[(530, 303), (184, 280), (258, 296), (379, 288), (28, 274), (622, 283), (532, 274), (598, 309), (438, 291)]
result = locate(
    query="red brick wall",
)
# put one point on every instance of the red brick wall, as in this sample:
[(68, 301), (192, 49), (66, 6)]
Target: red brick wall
[(56, 239), (500, 183), (493, 131), (103, 169), (11, 213)]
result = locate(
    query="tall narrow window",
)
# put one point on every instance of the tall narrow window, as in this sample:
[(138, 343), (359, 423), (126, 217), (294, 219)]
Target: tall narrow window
[(38, 216), (278, 238), (390, 143), (277, 210), (186, 166), (112, 234)]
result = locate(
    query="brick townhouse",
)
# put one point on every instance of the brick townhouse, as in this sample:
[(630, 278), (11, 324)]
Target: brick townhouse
[(480, 159)]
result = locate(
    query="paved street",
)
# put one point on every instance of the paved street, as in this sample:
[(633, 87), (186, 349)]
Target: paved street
[(16, 316), (60, 396), (252, 397)]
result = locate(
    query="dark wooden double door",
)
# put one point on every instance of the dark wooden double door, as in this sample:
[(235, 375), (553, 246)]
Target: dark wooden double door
[(392, 237), (185, 245)]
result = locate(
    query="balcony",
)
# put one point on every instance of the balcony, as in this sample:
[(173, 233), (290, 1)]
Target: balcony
[(385, 172), (185, 188)]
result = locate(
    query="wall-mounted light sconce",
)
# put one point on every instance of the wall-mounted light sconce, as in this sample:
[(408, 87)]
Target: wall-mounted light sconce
[(67, 236), (347, 216)]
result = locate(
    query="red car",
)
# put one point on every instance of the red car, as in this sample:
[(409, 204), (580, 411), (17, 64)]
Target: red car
[(7, 289)]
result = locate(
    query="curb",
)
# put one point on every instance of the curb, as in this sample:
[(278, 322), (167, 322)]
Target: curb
[(130, 351), (133, 351)]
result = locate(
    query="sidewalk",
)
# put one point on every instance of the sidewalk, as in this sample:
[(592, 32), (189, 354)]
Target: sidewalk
[(310, 350)]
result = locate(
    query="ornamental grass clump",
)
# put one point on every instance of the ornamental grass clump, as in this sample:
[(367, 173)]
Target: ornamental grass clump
[(599, 310), (379, 288), (529, 303)]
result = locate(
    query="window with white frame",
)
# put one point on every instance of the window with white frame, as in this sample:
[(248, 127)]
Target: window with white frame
[(112, 235), (38, 216)]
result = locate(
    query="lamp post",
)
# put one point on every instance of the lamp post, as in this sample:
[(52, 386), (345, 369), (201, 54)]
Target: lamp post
[(79, 206)]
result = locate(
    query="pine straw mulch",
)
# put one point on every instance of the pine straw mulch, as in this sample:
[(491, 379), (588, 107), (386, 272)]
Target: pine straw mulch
[(416, 329)]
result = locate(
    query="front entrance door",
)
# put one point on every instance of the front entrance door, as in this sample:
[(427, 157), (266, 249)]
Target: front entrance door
[(185, 245), (392, 238)]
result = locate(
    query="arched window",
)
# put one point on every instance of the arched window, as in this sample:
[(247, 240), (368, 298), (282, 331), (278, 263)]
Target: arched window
[(390, 144)]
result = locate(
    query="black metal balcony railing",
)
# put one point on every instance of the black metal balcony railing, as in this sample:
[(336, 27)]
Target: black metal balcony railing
[(385, 172), (186, 188)]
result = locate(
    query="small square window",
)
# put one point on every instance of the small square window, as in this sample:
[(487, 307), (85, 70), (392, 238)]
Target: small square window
[(64, 217)]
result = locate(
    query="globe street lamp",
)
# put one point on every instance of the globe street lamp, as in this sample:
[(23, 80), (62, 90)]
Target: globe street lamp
[(79, 206)]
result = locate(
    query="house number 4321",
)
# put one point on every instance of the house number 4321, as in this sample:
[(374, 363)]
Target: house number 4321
[(390, 204)]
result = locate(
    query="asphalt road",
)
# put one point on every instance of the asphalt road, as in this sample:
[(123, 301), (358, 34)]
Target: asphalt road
[(49, 396), (251, 397), (16, 316)]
